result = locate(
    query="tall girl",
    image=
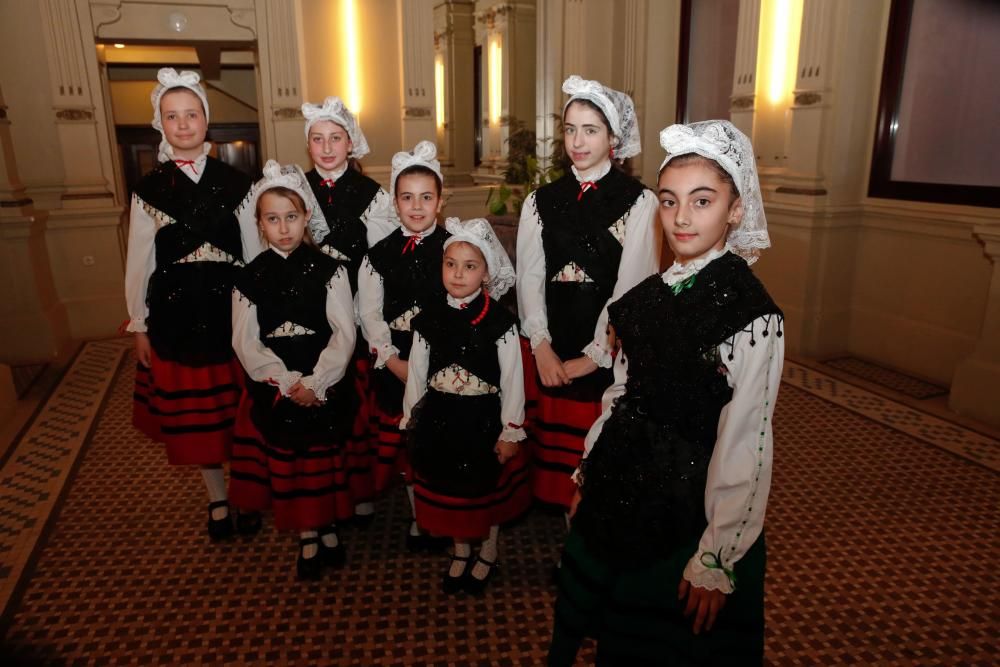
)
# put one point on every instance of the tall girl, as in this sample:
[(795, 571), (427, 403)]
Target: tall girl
[(359, 214), (399, 277), (185, 244), (293, 331), (583, 241), (464, 405)]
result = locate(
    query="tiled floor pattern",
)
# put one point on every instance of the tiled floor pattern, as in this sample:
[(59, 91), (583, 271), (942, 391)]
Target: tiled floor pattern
[(886, 377), (879, 553)]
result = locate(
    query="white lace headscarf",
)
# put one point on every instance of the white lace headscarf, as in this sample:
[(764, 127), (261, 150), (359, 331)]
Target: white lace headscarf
[(617, 108), (479, 233), (292, 177), (168, 78), (423, 154), (334, 109), (720, 141)]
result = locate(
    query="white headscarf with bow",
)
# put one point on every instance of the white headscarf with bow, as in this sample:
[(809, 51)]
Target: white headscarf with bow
[(423, 154), (617, 108), (479, 233), (292, 177), (720, 141), (167, 79), (334, 109)]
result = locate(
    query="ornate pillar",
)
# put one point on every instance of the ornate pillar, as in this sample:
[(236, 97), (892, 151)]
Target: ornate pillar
[(974, 389), (549, 60), (743, 102), (274, 27), (454, 41), (416, 40)]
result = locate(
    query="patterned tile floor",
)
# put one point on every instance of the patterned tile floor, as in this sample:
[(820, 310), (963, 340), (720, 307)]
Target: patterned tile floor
[(886, 377), (881, 544)]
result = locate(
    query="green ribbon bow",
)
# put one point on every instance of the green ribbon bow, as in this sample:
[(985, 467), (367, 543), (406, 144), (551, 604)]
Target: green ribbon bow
[(677, 288), (714, 562)]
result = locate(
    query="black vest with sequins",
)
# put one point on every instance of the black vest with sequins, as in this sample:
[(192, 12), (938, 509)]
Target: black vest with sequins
[(189, 302), (459, 336), (343, 205), (410, 278)]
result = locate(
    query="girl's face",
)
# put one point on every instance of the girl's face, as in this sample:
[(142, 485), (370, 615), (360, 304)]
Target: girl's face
[(282, 223), (184, 123), (696, 209), (587, 139), (463, 269), (329, 145), (417, 201)]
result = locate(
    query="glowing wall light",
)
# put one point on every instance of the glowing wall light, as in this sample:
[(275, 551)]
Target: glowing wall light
[(349, 34), (439, 89), (782, 35), (496, 79)]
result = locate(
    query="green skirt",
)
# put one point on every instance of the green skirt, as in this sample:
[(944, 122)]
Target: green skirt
[(636, 618)]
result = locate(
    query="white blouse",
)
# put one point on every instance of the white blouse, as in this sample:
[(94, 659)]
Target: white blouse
[(639, 236), (511, 379), (145, 221), (263, 365), (379, 218), (739, 473), (371, 299)]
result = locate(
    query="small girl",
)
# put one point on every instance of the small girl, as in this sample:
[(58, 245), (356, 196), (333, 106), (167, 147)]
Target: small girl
[(464, 406), (293, 331), (667, 542), (359, 214), (583, 241), (399, 277), (184, 246)]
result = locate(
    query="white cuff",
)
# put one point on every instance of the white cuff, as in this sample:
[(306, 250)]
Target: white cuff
[(539, 336), (712, 579), (285, 381), (318, 388), (137, 325), (598, 355), (384, 353), (513, 434)]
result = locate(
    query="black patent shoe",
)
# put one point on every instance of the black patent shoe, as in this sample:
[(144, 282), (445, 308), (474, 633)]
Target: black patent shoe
[(450, 584), (309, 569), (220, 529), (475, 586), (248, 523), (334, 557)]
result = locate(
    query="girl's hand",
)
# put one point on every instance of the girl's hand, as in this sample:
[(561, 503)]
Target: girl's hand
[(577, 368), (706, 603), (574, 503), (143, 350), (398, 367), (550, 366), (302, 395), (506, 450)]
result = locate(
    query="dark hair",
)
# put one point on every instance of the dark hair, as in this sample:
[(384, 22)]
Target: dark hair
[(297, 201), (693, 158), (421, 170), (182, 89), (593, 107)]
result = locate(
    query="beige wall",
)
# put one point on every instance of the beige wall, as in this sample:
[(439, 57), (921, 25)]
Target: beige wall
[(130, 104)]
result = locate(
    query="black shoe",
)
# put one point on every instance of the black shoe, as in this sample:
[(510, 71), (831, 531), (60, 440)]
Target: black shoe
[(450, 584), (248, 523), (474, 586), (334, 557), (220, 529), (309, 569)]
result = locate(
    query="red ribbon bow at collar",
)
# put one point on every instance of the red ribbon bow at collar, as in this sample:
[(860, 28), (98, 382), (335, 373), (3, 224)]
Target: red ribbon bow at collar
[(584, 186), (330, 183), (411, 244), (186, 163)]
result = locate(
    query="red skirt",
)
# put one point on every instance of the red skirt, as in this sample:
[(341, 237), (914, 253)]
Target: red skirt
[(530, 382), (306, 489), (390, 461), (190, 409), (358, 448), (471, 518), (557, 433)]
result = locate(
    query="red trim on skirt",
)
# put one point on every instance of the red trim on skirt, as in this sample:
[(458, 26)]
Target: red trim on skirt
[(471, 518), (530, 382), (359, 447), (557, 433), (307, 490), (190, 409), (390, 460)]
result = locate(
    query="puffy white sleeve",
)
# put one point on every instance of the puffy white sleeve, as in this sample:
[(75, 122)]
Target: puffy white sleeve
[(531, 275), (640, 259), (371, 298), (416, 379), (334, 360), (511, 387), (739, 474), (249, 233), (260, 362), (380, 217), (140, 262)]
